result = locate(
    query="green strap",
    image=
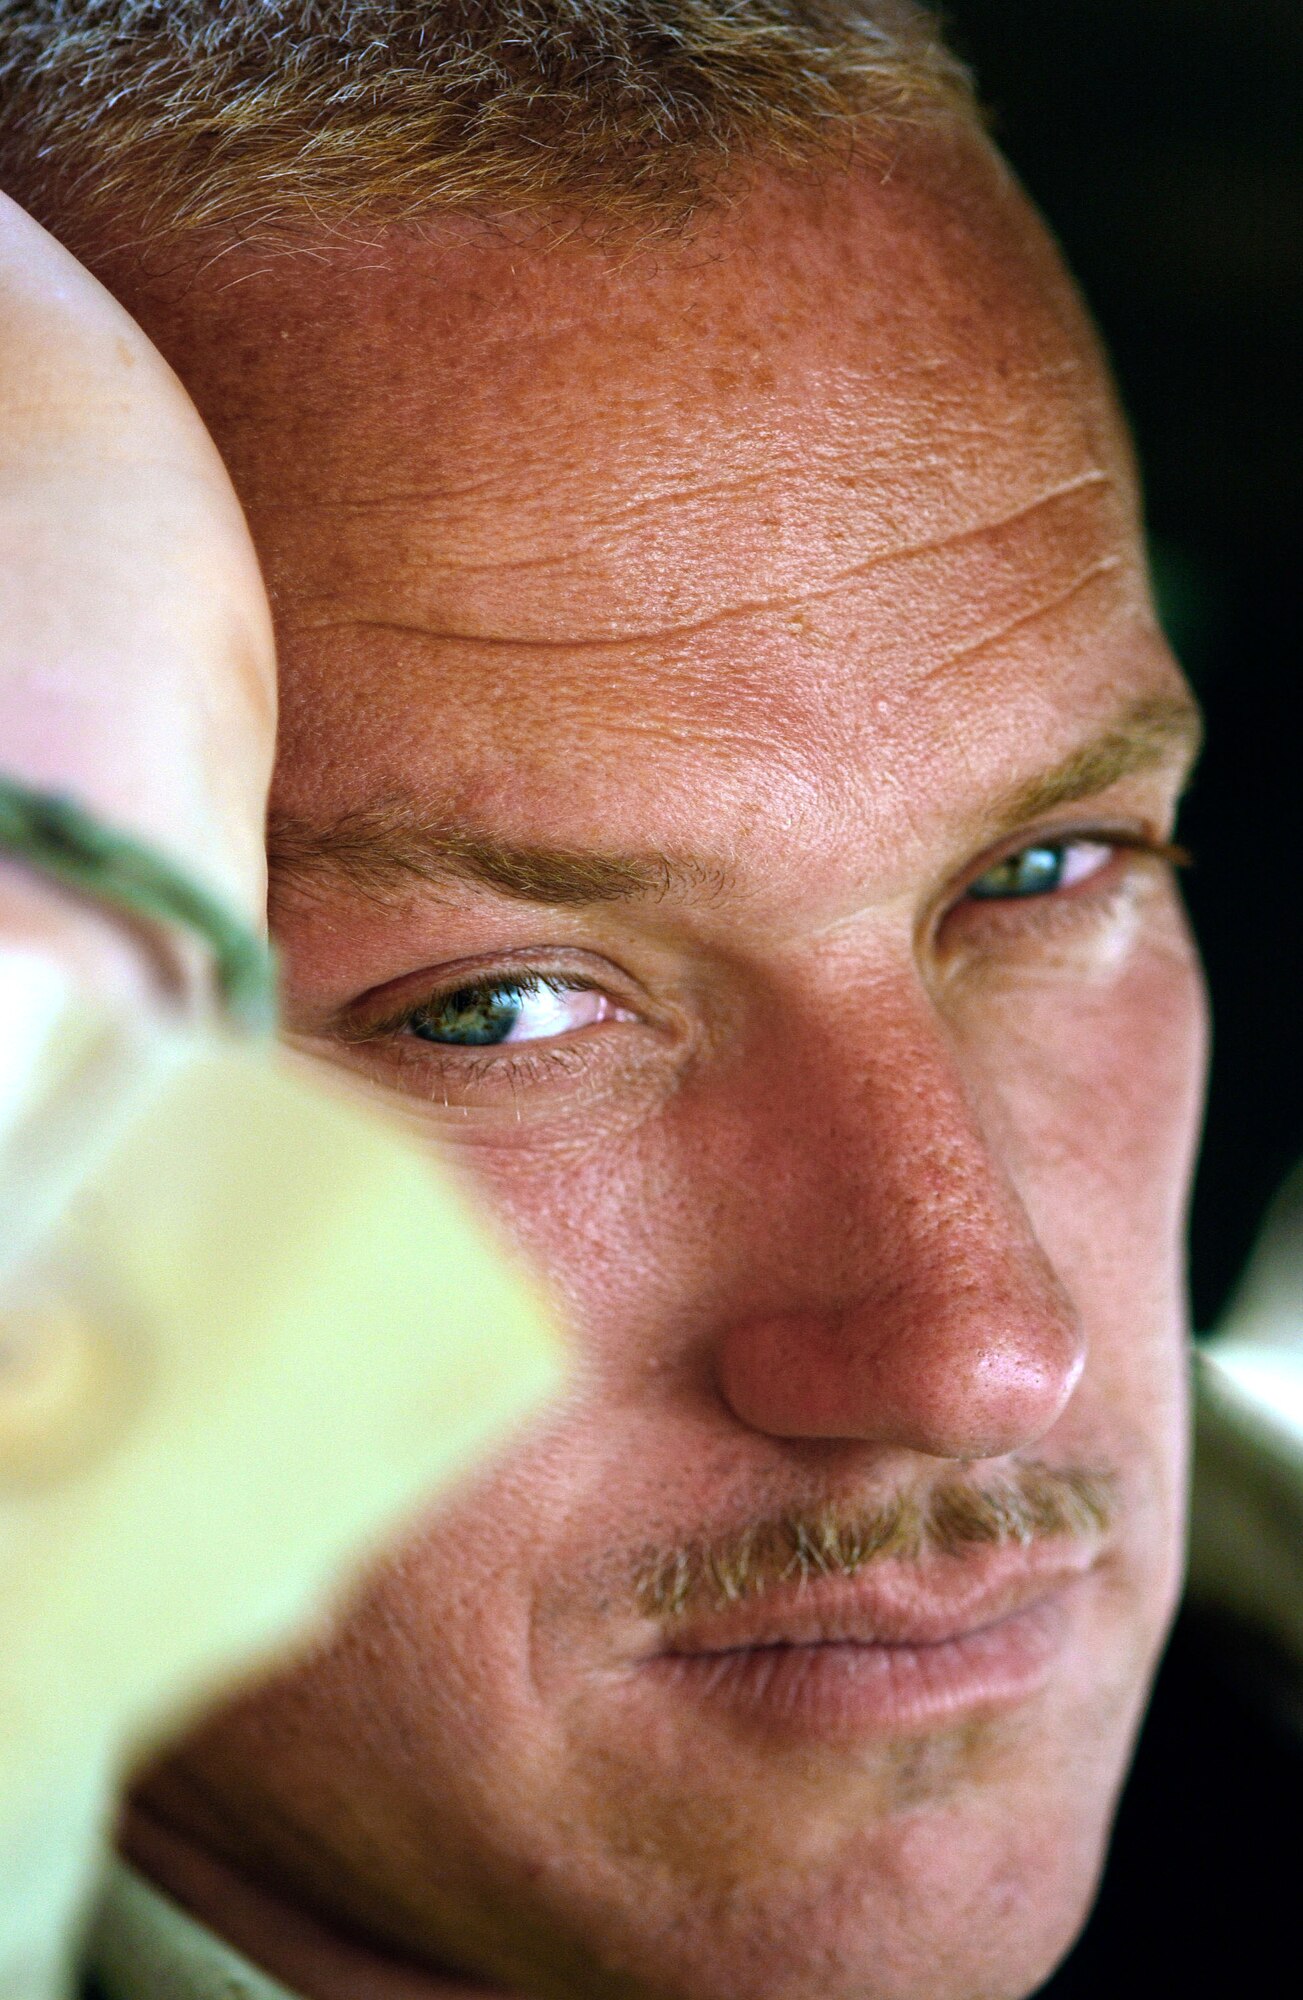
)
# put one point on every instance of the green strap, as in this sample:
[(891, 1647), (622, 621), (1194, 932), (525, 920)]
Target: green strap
[(143, 1946), (54, 834)]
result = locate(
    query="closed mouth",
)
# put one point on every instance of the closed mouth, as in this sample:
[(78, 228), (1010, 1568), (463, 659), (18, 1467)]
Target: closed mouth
[(883, 1653)]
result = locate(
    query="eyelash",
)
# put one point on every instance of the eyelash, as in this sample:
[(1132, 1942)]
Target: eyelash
[(526, 1063)]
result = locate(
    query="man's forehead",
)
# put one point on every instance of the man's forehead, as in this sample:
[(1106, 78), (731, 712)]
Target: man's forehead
[(572, 443), (784, 506)]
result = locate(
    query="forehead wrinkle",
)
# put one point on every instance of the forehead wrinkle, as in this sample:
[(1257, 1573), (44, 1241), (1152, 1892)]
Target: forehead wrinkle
[(748, 608), (1094, 572), (491, 490)]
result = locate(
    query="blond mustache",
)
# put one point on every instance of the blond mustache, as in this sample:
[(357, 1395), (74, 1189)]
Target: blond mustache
[(1036, 1503)]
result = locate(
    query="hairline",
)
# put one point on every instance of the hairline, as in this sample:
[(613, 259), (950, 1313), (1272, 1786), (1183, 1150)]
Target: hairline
[(320, 114)]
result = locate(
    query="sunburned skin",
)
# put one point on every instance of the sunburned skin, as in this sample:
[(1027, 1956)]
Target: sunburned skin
[(696, 627)]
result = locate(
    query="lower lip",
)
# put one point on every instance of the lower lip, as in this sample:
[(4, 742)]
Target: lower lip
[(849, 1690)]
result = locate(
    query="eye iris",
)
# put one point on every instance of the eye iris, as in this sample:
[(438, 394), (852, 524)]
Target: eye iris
[(473, 1017), (1035, 871)]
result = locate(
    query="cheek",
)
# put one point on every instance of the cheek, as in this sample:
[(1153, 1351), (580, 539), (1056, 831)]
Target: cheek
[(1094, 1089), (604, 1218)]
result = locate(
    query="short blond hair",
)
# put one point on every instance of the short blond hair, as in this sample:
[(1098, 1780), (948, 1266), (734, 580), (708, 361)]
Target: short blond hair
[(254, 117)]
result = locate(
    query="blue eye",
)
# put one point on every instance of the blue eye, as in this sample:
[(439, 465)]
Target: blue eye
[(1041, 870), (474, 1016), (510, 1010)]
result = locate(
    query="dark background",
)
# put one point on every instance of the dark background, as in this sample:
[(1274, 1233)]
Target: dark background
[(1164, 141)]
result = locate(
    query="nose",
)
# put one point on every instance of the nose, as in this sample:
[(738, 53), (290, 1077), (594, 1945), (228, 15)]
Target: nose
[(927, 1315)]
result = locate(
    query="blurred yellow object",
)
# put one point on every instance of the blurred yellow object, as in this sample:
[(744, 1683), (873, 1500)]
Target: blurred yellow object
[(264, 1329)]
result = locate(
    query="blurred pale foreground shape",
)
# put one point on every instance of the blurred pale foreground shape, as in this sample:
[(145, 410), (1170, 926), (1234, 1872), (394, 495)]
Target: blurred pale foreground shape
[(265, 1328), (1247, 1521)]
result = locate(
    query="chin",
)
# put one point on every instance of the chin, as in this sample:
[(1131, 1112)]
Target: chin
[(997, 1937), (957, 1866)]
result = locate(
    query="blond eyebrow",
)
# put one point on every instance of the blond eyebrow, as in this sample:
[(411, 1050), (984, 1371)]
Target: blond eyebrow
[(1156, 731), (385, 849)]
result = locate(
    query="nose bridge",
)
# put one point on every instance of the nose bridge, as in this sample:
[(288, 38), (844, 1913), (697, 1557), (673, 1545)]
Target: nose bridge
[(886, 1151), (926, 1312), (923, 1170)]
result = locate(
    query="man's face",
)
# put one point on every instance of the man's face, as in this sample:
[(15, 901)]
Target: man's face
[(725, 745)]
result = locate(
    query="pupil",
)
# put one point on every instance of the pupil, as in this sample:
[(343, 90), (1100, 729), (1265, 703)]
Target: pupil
[(1034, 872), (475, 1017)]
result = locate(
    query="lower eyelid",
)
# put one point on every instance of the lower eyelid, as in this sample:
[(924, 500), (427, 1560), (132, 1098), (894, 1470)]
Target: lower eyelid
[(1071, 904)]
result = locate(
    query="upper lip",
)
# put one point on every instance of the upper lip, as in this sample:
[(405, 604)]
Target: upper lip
[(892, 1603)]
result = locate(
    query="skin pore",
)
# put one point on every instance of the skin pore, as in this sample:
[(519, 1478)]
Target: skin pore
[(725, 775)]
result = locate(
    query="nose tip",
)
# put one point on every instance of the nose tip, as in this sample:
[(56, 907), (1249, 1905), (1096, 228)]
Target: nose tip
[(1006, 1392), (977, 1374)]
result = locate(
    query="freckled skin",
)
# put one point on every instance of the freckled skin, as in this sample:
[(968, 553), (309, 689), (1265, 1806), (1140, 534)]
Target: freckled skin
[(786, 548)]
